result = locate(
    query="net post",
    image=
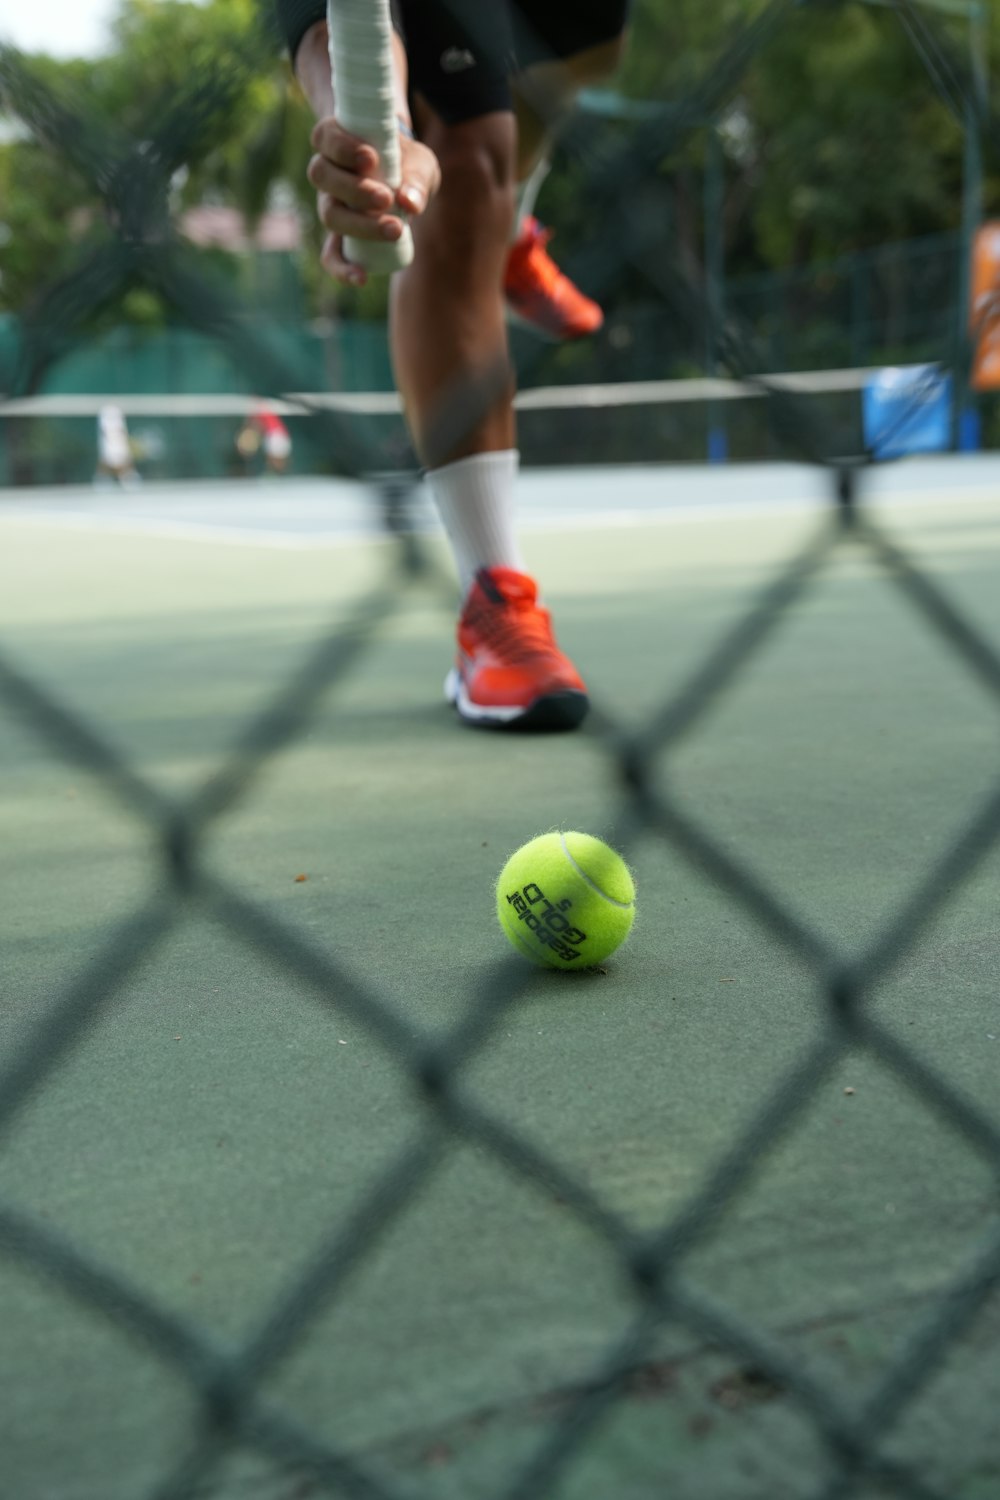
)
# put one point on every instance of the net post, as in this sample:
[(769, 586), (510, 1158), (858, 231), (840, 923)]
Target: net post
[(845, 482)]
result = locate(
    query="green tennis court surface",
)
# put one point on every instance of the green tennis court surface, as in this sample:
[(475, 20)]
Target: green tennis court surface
[(221, 1121)]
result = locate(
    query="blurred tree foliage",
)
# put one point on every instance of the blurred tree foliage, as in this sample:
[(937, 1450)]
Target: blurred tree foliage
[(218, 64), (833, 138)]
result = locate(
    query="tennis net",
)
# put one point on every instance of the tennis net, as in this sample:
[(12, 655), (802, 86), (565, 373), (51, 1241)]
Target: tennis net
[(53, 438)]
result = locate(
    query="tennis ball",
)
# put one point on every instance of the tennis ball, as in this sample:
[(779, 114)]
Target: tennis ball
[(566, 900)]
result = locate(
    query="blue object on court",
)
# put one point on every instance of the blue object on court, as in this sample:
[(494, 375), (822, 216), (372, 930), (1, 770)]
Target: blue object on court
[(718, 445), (970, 430), (907, 410)]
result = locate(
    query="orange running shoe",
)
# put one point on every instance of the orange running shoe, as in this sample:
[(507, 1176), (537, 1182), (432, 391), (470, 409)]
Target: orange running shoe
[(510, 674), (539, 295)]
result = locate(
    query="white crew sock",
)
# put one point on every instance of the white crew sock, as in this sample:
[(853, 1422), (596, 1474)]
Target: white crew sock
[(527, 194), (475, 500)]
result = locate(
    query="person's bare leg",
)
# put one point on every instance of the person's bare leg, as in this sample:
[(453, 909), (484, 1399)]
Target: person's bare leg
[(449, 342), (546, 92), (536, 293), (449, 336)]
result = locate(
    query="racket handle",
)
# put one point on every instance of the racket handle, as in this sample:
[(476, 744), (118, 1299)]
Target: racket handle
[(360, 33)]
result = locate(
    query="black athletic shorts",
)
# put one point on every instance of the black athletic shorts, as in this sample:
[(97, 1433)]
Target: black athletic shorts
[(463, 53)]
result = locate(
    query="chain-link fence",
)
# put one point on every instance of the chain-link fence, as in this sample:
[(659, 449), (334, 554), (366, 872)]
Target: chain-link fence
[(138, 246)]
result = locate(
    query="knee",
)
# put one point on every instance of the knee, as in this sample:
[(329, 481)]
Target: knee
[(557, 84), (478, 178), (601, 63)]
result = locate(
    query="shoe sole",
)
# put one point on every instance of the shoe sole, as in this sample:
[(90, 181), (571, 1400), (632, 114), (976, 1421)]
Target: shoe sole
[(518, 320), (551, 713)]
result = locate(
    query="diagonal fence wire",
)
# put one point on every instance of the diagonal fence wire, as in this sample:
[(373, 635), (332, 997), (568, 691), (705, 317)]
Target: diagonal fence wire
[(227, 1383)]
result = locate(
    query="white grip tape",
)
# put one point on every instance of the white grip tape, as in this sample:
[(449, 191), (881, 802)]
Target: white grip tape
[(365, 103)]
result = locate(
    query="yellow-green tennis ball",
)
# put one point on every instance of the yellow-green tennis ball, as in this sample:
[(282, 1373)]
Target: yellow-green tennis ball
[(566, 900)]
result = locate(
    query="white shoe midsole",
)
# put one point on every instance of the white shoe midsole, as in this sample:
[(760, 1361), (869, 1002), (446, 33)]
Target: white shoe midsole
[(455, 692)]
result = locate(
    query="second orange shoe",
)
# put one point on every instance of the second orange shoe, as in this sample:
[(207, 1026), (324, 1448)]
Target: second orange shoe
[(540, 295)]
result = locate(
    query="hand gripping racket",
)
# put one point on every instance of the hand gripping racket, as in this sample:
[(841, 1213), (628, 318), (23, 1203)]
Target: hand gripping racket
[(361, 60)]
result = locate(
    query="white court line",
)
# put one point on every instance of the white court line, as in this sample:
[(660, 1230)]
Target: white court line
[(712, 510), (577, 521), (179, 531), (539, 512)]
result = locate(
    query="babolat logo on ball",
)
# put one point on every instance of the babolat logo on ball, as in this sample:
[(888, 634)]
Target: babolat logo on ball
[(592, 885), (547, 921)]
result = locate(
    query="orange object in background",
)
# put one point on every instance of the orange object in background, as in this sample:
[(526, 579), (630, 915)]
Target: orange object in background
[(984, 311)]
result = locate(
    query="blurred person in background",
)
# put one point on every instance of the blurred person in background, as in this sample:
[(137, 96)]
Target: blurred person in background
[(264, 431), (115, 458)]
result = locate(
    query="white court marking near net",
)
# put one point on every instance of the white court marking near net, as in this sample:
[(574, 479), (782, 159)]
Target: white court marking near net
[(298, 513)]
